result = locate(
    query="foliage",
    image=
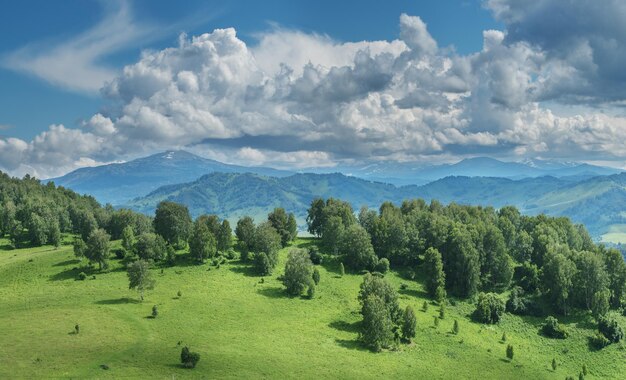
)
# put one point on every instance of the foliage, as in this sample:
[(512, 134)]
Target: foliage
[(98, 248), (284, 224), (267, 241), (298, 272), (409, 324), (382, 266), (489, 308), (140, 277), (245, 235), (435, 277), (128, 239), (357, 248), (316, 276), (202, 244), (79, 247), (150, 246), (552, 329), (377, 331), (224, 237), (173, 222), (509, 352), (189, 359), (315, 255), (610, 328)]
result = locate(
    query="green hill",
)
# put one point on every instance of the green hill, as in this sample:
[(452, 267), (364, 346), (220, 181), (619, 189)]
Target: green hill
[(247, 328)]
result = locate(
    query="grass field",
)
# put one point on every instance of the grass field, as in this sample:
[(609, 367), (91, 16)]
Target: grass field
[(616, 234), (243, 328)]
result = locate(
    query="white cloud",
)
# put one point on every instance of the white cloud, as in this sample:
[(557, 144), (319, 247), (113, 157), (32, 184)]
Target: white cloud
[(297, 100)]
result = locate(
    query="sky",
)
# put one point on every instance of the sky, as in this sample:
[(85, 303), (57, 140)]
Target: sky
[(309, 84)]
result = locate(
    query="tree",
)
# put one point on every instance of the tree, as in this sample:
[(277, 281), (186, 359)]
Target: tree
[(263, 264), (298, 272), (461, 263), (54, 233), (496, 268), (378, 327), (409, 324), (590, 278), (489, 308), (332, 234), (155, 311), (435, 276), (610, 328), (80, 248), (267, 241), (189, 359), (553, 329), (600, 303), (616, 270), (98, 248), (245, 235), (527, 277), (374, 285), (455, 327), (202, 244), (554, 364), (315, 217), (173, 222), (36, 229), (509, 352), (140, 277), (150, 246), (128, 238), (342, 270), (224, 237), (279, 219), (558, 274), (357, 247), (316, 276)]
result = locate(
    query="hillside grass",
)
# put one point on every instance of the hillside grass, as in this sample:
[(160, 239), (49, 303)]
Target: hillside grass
[(245, 328)]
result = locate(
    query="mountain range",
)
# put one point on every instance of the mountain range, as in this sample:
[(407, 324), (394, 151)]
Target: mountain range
[(588, 194)]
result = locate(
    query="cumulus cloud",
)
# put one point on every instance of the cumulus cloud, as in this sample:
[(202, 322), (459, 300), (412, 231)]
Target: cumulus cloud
[(297, 100)]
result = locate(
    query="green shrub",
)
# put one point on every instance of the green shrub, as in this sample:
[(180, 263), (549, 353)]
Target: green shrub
[(315, 256), (262, 264), (554, 365), (382, 266), (311, 291), (509, 352), (82, 276), (599, 341), (503, 337), (489, 308), (342, 270), (316, 276), (442, 312), (189, 359), (552, 329), (409, 324), (155, 311), (425, 306), (610, 328), (231, 254), (455, 327), (120, 253)]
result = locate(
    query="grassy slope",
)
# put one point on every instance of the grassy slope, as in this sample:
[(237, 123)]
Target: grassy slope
[(246, 329)]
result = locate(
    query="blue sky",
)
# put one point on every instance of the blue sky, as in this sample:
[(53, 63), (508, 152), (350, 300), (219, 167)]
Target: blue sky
[(29, 104), (307, 84)]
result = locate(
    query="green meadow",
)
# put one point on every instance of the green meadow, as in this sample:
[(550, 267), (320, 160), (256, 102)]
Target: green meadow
[(245, 326)]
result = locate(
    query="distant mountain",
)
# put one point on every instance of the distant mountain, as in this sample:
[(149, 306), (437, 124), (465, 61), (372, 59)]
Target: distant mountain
[(418, 173), (121, 182)]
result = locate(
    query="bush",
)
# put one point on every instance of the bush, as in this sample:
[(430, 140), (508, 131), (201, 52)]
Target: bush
[(311, 291), (189, 359), (599, 341), (382, 266), (179, 294), (409, 324), (425, 306), (316, 276), (503, 337), (553, 329), (609, 327), (554, 365), (516, 303), (489, 308), (82, 276), (404, 286), (342, 270), (455, 327), (155, 311), (442, 312), (298, 272), (231, 254), (509, 352), (315, 256), (262, 264), (120, 253)]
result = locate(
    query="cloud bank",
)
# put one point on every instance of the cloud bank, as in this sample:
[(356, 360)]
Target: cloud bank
[(299, 100)]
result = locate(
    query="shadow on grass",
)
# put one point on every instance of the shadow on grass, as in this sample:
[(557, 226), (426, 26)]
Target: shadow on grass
[(118, 301), (345, 326), (67, 262), (72, 274), (351, 344), (245, 269), (6, 247), (273, 293), (414, 293)]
